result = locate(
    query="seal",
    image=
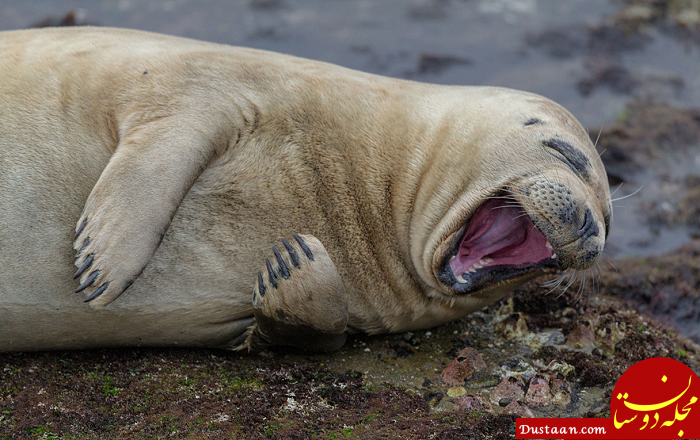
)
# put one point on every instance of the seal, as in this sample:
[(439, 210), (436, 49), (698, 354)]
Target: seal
[(226, 197)]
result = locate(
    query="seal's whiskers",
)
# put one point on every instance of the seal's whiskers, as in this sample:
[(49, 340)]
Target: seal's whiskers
[(628, 195), (573, 276)]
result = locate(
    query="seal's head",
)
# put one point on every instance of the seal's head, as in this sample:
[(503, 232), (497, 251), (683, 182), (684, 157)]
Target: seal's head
[(520, 192)]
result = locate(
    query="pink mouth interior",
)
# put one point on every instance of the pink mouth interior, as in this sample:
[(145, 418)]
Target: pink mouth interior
[(502, 233)]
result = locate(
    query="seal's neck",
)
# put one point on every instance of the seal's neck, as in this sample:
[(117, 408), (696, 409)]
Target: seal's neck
[(361, 147), (364, 147)]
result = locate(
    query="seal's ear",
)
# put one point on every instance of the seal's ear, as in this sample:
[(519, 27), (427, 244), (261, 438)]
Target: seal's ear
[(133, 202)]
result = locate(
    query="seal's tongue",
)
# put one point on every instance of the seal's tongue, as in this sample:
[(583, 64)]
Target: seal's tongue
[(499, 233)]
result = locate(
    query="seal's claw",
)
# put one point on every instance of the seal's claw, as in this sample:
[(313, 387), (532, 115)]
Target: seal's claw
[(284, 270), (88, 282), (304, 247), (86, 264), (82, 248), (304, 305), (97, 292), (271, 273), (292, 254), (80, 229), (260, 287), (102, 275)]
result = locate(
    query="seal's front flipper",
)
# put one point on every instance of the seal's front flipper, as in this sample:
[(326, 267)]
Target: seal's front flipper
[(133, 202), (299, 299)]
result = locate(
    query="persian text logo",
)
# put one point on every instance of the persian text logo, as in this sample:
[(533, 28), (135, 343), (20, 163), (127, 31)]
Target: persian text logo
[(656, 396)]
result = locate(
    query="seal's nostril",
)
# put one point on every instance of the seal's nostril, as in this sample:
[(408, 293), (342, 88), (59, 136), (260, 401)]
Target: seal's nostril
[(589, 228)]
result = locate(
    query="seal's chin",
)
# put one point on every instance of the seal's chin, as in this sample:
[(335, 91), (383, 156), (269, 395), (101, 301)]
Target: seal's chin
[(500, 244)]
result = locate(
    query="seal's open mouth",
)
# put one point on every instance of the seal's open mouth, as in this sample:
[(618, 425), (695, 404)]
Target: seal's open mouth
[(500, 243)]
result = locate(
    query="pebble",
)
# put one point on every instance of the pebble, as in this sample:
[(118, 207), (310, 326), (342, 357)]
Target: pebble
[(456, 391)]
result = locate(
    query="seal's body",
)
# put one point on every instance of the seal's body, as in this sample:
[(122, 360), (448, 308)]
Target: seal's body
[(177, 165)]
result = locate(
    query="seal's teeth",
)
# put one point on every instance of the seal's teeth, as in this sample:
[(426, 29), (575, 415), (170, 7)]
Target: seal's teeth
[(453, 257), (554, 256), (477, 265), (472, 270), (460, 279), (549, 246)]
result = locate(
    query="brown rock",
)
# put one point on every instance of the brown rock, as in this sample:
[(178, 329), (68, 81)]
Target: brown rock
[(467, 362), (511, 388), (582, 337), (518, 409), (468, 403), (538, 393), (561, 389)]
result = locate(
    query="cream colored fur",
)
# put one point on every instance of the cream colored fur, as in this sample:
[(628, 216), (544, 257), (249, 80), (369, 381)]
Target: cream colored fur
[(240, 147)]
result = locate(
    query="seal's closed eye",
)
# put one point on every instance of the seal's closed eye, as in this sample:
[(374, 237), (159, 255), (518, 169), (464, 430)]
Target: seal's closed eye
[(532, 121), (577, 161)]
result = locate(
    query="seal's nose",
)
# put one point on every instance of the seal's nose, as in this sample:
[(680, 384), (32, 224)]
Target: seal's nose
[(589, 228), (590, 244)]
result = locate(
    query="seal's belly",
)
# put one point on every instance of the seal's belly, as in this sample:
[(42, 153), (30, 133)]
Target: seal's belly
[(46, 174), (36, 327), (43, 185)]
